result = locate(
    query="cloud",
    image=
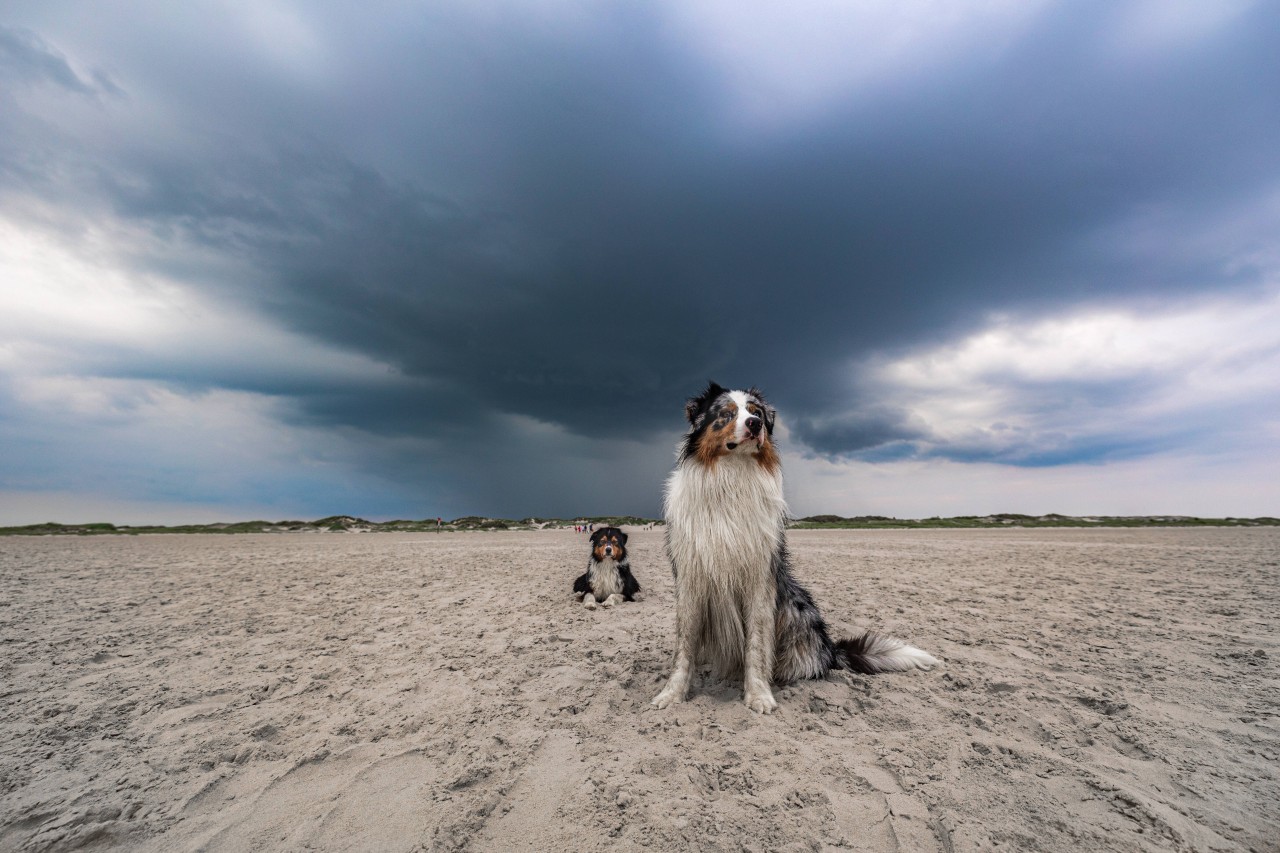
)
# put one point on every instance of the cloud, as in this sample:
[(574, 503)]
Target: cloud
[(1178, 483), (1084, 388), (788, 63), (512, 239), (149, 388), (1150, 29), (78, 307), (147, 442), (26, 58)]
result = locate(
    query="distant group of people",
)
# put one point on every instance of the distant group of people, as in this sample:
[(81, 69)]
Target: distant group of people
[(591, 528)]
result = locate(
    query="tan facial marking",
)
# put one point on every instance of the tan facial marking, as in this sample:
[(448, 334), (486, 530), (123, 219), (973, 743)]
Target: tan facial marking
[(767, 455), (711, 445), (611, 539)]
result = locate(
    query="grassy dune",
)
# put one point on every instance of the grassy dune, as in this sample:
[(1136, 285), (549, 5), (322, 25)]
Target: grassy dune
[(352, 524)]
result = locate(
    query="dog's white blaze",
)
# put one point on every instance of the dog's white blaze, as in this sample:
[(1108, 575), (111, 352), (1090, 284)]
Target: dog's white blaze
[(740, 432), (605, 578), (725, 523)]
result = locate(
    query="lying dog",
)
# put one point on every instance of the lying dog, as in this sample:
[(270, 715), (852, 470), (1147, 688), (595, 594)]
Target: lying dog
[(737, 604), (608, 579)]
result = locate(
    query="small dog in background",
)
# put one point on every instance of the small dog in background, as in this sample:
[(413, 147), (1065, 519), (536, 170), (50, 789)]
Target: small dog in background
[(608, 579)]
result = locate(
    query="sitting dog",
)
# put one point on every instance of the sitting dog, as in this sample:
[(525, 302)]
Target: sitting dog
[(608, 579), (737, 604)]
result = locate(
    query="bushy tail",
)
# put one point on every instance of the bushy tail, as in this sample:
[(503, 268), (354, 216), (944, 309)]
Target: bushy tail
[(872, 653)]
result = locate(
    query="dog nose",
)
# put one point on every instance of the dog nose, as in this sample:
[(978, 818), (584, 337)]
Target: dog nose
[(753, 425)]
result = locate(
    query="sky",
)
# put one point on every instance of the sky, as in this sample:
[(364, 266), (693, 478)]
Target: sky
[(405, 260)]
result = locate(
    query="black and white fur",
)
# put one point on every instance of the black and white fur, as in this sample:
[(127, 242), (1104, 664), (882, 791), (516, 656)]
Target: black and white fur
[(608, 579), (737, 604)]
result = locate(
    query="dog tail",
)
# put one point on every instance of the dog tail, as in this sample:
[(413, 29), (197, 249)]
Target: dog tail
[(872, 653)]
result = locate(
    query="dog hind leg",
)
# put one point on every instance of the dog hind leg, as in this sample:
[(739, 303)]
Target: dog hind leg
[(804, 648)]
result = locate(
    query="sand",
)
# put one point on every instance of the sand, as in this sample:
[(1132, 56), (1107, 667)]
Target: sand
[(1102, 690)]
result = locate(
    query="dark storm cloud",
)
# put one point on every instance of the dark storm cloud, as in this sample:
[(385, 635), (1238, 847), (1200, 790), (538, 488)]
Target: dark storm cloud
[(854, 433), (566, 222), (635, 243)]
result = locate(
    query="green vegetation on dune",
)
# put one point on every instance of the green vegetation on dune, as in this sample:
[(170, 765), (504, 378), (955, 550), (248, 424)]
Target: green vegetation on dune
[(354, 524), (330, 524)]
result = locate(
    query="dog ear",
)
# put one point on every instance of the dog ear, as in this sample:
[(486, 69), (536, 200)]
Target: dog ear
[(770, 413), (595, 537), (623, 534), (695, 405)]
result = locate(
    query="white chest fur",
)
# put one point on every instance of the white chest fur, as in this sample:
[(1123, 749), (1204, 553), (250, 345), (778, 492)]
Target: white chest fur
[(725, 521), (604, 578)]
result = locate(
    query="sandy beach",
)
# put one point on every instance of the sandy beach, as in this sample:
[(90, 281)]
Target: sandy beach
[(1102, 690)]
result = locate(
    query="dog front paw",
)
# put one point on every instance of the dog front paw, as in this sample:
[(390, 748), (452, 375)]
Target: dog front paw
[(762, 702), (669, 696), (589, 602), (613, 599)]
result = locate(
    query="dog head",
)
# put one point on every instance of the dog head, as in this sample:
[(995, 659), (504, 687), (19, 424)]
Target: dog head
[(609, 543), (730, 423)]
